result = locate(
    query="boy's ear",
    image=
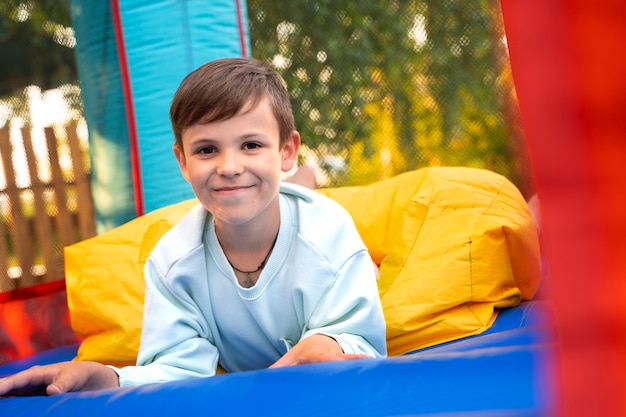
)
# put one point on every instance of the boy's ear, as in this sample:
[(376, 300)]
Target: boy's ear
[(182, 161), (290, 151)]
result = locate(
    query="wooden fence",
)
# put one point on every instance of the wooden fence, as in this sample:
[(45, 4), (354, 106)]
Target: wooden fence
[(38, 220)]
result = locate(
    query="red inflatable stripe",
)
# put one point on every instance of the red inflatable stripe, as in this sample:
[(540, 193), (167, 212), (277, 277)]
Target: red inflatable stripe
[(130, 108)]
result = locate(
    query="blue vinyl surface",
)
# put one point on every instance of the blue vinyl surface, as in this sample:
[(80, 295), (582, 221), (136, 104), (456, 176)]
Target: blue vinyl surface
[(503, 373)]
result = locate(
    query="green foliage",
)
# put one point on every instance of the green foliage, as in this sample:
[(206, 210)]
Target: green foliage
[(378, 87), (36, 45), (390, 86)]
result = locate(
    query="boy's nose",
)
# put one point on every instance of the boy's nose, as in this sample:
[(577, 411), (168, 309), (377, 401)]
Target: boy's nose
[(228, 164)]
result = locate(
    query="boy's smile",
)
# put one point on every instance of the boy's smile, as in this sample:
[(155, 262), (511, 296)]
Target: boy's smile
[(227, 189), (234, 165)]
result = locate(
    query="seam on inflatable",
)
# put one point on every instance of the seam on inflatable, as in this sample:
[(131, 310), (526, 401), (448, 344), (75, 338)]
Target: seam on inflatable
[(187, 36)]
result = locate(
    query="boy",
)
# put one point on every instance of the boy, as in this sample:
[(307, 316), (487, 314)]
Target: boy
[(261, 273)]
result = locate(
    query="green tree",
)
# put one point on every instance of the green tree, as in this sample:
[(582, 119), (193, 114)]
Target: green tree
[(36, 45), (331, 54), (389, 86)]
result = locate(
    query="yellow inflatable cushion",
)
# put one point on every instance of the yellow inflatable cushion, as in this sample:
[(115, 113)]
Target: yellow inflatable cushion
[(105, 288), (453, 244)]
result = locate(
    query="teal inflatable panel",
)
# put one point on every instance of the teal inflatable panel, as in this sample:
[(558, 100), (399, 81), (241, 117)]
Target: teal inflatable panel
[(132, 55), (103, 104), (165, 40)]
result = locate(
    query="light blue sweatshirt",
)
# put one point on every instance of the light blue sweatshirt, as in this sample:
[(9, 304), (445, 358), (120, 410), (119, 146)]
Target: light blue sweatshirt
[(318, 279)]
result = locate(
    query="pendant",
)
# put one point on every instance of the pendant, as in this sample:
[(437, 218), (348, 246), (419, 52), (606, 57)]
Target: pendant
[(248, 281)]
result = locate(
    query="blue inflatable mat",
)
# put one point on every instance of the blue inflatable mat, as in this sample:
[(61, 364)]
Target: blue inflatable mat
[(503, 373)]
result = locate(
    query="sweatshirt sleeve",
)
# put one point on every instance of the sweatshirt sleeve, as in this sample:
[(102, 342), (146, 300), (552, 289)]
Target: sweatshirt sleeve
[(350, 311), (175, 340)]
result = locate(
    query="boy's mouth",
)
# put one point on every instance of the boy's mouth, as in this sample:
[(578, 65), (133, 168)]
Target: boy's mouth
[(232, 188)]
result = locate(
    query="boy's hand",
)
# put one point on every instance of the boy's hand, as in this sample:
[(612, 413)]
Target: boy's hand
[(59, 378), (316, 348)]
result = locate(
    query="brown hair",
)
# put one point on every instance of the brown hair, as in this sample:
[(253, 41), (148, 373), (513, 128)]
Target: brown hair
[(220, 89)]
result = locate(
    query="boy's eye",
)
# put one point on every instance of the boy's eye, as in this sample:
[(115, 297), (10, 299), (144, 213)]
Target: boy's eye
[(251, 145), (206, 150)]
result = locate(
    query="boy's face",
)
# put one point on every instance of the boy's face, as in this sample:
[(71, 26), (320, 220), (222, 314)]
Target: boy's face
[(234, 166)]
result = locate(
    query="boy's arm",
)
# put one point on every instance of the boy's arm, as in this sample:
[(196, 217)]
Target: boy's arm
[(347, 322), (175, 339)]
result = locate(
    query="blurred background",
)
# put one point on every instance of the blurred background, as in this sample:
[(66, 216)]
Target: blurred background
[(378, 88)]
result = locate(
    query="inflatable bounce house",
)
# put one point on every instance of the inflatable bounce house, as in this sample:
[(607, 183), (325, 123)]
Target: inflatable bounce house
[(458, 248)]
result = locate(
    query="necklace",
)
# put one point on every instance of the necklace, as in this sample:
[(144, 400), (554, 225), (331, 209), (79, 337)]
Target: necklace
[(247, 282)]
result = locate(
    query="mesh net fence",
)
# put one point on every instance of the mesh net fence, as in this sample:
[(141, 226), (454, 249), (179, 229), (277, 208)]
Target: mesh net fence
[(379, 88), (42, 165), (42, 158)]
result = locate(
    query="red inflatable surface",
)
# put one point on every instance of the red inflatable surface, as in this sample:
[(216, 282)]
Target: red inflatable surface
[(568, 65)]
